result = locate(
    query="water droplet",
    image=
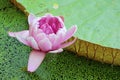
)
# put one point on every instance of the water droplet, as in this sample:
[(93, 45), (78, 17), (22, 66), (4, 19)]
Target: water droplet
[(55, 6)]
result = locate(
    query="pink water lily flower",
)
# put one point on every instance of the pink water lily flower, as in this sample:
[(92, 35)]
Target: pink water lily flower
[(46, 34)]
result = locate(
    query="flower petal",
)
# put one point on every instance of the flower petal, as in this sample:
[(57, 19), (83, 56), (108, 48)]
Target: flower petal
[(40, 36), (31, 17), (32, 43), (62, 18), (70, 32), (61, 35), (48, 15), (33, 24), (68, 43), (35, 59), (21, 36), (58, 39), (52, 37), (45, 44), (56, 51), (33, 29)]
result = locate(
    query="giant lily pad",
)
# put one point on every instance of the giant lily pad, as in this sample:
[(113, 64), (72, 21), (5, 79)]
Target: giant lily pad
[(97, 21)]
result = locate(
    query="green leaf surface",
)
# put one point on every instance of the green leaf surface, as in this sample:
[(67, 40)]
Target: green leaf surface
[(98, 21)]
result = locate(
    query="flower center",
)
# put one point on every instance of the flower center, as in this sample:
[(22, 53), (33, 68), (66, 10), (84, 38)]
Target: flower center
[(50, 24)]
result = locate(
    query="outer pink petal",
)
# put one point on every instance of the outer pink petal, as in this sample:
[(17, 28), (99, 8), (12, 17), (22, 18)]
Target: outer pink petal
[(33, 29), (61, 34), (62, 18), (31, 17), (48, 15), (70, 33), (58, 39), (67, 44), (21, 36), (33, 24), (35, 59), (52, 37), (40, 36), (32, 43), (56, 51), (45, 44)]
